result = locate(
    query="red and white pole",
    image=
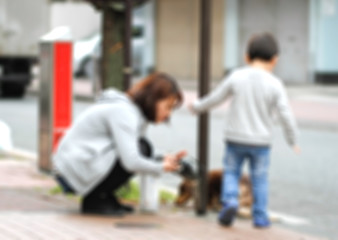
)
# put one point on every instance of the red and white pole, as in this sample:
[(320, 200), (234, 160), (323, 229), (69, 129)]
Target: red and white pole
[(56, 93)]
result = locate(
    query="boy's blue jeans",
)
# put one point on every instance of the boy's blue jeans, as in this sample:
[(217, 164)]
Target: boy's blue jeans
[(259, 158)]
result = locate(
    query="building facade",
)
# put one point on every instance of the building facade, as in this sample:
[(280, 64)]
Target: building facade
[(178, 38), (305, 29)]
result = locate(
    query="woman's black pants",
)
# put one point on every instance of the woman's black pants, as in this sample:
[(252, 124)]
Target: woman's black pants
[(118, 175)]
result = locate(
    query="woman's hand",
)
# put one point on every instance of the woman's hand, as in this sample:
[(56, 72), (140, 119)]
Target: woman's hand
[(172, 162), (191, 108)]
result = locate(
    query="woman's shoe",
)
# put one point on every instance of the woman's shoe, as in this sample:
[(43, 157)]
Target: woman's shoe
[(117, 204), (100, 206)]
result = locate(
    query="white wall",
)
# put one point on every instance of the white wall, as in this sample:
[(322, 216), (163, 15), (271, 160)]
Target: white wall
[(287, 19)]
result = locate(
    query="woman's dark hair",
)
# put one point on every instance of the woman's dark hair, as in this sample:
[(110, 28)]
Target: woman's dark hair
[(262, 46), (150, 90)]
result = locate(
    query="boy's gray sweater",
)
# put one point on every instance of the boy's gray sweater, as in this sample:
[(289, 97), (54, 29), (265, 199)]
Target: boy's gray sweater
[(256, 96), (109, 129)]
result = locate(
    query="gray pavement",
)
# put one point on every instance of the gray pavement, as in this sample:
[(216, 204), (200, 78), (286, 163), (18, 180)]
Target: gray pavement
[(29, 212)]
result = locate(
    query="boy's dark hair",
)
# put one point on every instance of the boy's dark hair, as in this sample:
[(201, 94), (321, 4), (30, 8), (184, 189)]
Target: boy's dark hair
[(262, 46), (152, 89)]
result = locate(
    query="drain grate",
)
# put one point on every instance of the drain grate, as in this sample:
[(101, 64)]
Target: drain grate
[(136, 225)]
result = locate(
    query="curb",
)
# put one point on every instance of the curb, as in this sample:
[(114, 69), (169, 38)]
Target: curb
[(22, 154), (85, 98)]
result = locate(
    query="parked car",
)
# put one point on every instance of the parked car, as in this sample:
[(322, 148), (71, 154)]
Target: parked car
[(87, 51), (84, 53)]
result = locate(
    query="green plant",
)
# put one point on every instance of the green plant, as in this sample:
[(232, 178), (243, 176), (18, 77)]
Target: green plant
[(55, 190), (58, 190), (167, 197), (131, 192)]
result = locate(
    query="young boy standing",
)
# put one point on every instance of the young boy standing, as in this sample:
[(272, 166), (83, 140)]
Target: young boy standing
[(256, 95)]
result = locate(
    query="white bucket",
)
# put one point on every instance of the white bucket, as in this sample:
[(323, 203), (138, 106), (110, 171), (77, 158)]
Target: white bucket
[(149, 201)]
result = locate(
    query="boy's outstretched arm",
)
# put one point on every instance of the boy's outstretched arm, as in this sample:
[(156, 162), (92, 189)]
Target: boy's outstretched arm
[(287, 119), (218, 95)]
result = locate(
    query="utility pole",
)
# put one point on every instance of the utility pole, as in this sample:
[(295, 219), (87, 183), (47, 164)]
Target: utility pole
[(203, 121), (112, 61)]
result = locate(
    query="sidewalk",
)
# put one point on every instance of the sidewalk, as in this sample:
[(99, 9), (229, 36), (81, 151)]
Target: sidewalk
[(313, 105), (29, 211)]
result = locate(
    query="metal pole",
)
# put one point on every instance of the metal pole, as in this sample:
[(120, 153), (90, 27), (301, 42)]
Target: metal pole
[(204, 118), (127, 70)]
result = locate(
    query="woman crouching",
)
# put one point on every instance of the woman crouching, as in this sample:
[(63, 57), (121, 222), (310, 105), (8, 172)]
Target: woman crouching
[(101, 150)]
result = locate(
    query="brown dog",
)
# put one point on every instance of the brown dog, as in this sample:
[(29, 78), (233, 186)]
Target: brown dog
[(188, 187)]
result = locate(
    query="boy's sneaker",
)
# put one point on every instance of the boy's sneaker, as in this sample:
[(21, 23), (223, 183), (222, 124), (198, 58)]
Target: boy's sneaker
[(227, 214), (262, 223)]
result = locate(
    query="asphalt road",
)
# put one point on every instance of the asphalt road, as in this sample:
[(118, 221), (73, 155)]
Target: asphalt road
[(304, 186)]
